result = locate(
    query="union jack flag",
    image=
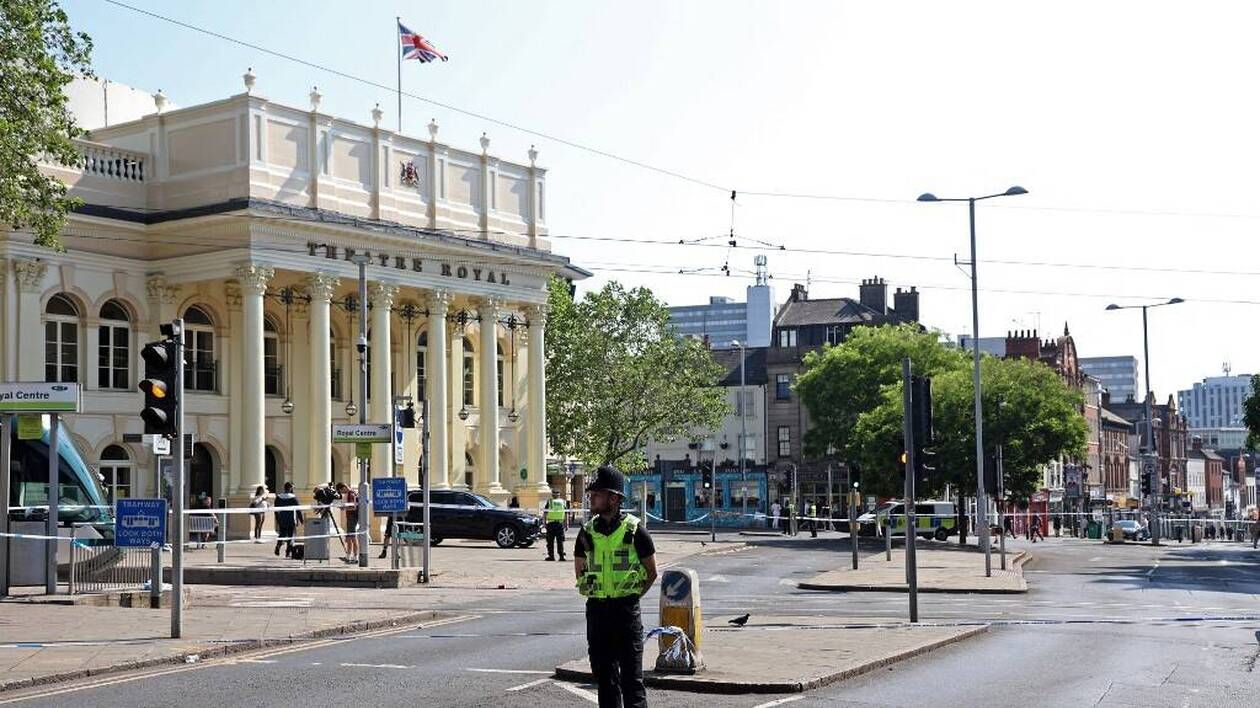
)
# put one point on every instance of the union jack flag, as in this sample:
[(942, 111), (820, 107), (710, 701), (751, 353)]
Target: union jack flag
[(416, 47)]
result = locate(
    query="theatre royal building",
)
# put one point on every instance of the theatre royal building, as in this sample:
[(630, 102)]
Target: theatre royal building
[(244, 217)]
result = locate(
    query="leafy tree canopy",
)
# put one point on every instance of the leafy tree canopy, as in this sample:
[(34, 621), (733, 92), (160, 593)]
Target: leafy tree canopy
[(617, 376), (39, 55)]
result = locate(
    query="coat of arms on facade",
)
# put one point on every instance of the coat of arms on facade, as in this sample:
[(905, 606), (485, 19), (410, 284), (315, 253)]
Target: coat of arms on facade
[(409, 175)]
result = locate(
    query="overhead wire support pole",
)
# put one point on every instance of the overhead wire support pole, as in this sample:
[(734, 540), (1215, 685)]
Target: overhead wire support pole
[(911, 522)]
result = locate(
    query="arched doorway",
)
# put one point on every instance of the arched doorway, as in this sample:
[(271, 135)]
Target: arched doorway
[(468, 469), (271, 469), (201, 471)]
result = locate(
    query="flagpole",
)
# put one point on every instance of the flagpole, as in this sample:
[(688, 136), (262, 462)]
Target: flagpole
[(398, 54)]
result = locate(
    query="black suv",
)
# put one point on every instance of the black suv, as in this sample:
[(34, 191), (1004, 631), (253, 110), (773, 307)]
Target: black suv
[(456, 514)]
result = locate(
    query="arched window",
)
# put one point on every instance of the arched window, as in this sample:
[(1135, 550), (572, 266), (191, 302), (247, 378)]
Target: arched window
[(334, 366), (469, 381), (499, 371), (116, 469), (422, 349), (272, 371), (200, 365), (61, 340), (114, 349)]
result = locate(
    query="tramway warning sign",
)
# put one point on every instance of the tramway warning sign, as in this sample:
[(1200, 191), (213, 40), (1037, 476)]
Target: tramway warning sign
[(140, 523), (389, 495)]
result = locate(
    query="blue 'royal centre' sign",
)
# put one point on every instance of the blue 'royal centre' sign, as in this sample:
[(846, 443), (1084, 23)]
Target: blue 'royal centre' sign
[(140, 523), (389, 495)]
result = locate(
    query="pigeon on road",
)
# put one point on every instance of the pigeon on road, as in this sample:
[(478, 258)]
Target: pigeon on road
[(738, 621)]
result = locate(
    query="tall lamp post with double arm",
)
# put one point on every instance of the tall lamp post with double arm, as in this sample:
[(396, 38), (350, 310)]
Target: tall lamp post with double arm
[(1148, 442), (982, 511)]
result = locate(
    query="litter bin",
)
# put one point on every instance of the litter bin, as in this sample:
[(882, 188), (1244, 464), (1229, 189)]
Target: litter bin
[(411, 547), (1196, 534), (316, 549), (1117, 534), (1094, 530)]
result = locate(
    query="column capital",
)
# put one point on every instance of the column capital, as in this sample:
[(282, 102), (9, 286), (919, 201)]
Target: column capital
[(382, 294), (30, 274), (537, 314), (322, 286), (489, 307), (232, 293), (438, 302), (254, 278), (160, 291)]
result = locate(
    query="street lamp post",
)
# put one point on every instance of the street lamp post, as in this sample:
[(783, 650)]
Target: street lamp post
[(361, 525), (743, 430), (1148, 443), (982, 511)]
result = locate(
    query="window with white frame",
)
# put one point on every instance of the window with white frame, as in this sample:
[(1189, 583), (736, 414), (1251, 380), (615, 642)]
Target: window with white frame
[(835, 333), (113, 359), (783, 387), (787, 337), (200, 365), (469, 381), (499, 371), (61, 340), (785, 441), (272, 372), (116, 470), (422, 351)]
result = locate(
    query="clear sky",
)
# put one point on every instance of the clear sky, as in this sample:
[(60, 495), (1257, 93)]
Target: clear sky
[(1132, 124)]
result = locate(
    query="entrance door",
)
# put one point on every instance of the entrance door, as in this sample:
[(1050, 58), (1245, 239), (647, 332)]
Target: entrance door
[(201, 472), (676, 502)]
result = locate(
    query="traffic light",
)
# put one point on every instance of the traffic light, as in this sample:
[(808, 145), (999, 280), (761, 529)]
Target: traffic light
[(1146, 484), (706, 478), (921, 424), (407, 416), (161, 399)]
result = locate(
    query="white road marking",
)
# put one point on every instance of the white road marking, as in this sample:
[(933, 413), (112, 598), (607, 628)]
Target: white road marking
[(257, 661), (779, 702), (579, 692), (513, 671), (531, 684), (717, 579), (376, 666)]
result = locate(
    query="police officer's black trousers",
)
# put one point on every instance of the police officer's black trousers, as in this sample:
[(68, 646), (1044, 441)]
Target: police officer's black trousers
[(614, 640), (555, 539)]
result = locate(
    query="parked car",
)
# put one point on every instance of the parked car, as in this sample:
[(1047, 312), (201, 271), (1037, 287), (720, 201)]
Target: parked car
[(458, 514), (1133, 530)]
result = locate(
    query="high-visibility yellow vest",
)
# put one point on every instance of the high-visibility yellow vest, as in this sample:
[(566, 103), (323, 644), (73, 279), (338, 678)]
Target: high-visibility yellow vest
[(555, 510), (613, 568)]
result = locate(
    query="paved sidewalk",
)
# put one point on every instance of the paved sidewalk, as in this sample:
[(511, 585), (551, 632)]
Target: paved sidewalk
[(940, 569), (49, 643), (782, 654)]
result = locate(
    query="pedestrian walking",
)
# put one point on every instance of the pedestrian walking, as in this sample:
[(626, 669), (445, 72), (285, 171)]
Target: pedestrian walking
[(351, 510), (259, 504), (789, 522), (1255, 531), (389, 534), (1058, 524), (555, 527), (811, 512), (775, 511), (614, 560), (286, 521), (1034, 529)]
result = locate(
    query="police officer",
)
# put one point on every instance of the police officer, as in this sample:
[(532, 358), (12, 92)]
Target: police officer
[(615, 562), (555, 527)]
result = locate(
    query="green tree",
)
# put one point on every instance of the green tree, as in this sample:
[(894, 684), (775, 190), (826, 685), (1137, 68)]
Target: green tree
[(1027, 408), (617, 376), (39, 55), (1251, 414), (843, 382)]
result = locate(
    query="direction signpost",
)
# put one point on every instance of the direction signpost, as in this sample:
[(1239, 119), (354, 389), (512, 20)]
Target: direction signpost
[(38, 398)]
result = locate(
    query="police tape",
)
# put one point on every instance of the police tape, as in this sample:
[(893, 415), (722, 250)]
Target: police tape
[(61, 507), (269, 509)]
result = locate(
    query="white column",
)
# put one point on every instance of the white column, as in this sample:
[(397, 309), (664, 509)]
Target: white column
[(30, 348), (436, 387), (253, 279), (8, 321), (536, 447), (488, 414), (320, 287), (297, 372), (459, 430), (230, 380), (381, 295)]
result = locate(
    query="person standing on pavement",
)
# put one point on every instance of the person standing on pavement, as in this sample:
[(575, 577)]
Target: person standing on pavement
[(811, 512), (775, 511), (351, 510), (286, 521), (555, 527), (614, 560), (791, 516), (259, 504), (1034, 529)]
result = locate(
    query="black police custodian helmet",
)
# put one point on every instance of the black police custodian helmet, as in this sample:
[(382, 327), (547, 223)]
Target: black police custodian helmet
[(608, 478)]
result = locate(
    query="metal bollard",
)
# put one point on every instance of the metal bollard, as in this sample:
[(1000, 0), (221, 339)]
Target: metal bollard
[(222, 530), (888, 537)]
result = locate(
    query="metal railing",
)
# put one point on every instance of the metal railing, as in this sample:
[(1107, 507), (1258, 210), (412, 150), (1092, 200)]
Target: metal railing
[(97, 565)]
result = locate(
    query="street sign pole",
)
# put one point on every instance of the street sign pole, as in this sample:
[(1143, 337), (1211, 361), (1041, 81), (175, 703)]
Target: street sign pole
[(6, 442), (425, 466), (54, 504), (1001, 499)]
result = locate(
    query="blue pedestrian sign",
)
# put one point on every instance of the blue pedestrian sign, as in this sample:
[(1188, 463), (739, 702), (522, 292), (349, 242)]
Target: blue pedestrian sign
[(389, 495), (140, 523)]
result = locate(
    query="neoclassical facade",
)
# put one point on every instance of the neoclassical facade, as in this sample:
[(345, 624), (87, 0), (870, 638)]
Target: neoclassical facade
[(245, 218)]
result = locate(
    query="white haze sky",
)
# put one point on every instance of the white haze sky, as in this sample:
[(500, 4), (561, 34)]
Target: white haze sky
[(1132, 124)]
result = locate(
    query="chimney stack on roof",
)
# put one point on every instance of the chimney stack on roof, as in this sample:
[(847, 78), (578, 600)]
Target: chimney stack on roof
[(873, 293)]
